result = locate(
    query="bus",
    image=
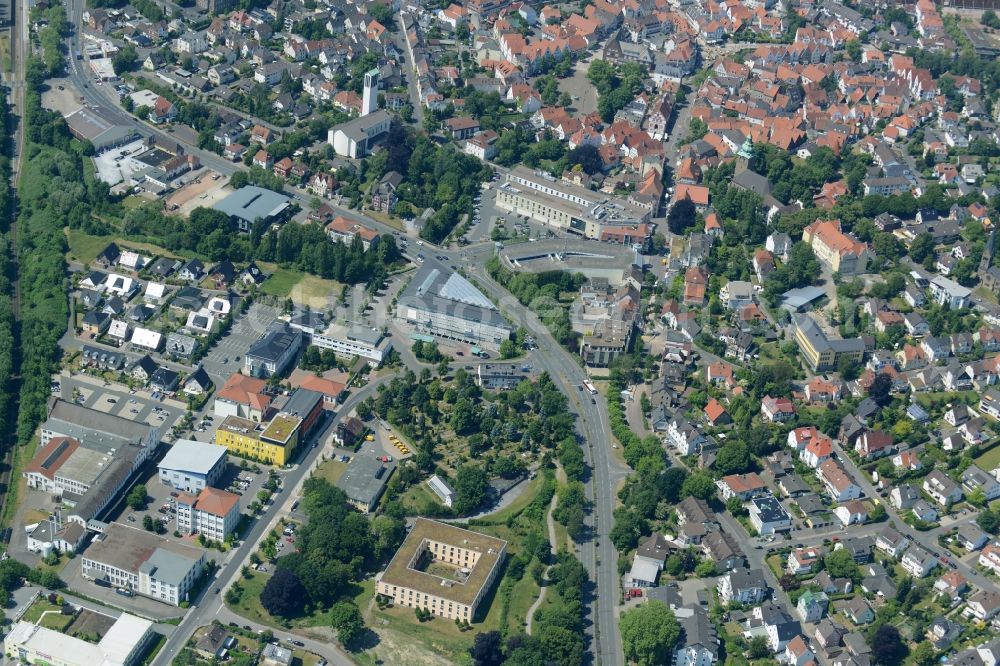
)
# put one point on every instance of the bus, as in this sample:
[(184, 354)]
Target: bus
[(590, 387)]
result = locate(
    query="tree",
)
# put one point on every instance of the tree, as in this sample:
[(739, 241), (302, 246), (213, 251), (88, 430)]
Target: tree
[(148, 523), (699, 485), (840, 564), (924, 654), (788, 582), (759, 648), (470, 487), (880, 388), (976, 497), (887, 647), (988, 521), (587, 157), (733, 458), (346, 619), (136, 499), (921, 247), (705, 569), (284, 595), (508, 349), (847, 367), (486, 649), (682, 216), (853, 49), (990, 20), (381, 13), (649, 633)]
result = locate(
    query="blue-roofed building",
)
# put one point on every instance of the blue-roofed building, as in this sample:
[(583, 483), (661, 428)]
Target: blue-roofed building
[(251, 203), (917, 413), (796, 300)]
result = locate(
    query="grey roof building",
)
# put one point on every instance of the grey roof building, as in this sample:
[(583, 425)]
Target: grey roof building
[(364, 481), (271, 354), (444, 304), (251, 203)]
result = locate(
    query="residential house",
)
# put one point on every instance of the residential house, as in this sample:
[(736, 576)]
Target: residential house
[(918, 562), (943, 490)]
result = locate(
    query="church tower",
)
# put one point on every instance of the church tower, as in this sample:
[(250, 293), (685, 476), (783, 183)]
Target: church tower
[(369, 102), (987, 259), (744, 155)]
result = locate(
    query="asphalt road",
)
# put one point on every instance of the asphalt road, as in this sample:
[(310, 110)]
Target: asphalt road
[(106, 99), (211, 606), (598, 554)]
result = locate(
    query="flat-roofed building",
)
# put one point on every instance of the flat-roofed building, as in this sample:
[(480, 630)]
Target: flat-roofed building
[(354, 340), (569, 207), (123, 644), (444, 304), (271, 442), (145, 563), (88, 458), (213, 512), (364, 481), (191, 466), (467, 565)]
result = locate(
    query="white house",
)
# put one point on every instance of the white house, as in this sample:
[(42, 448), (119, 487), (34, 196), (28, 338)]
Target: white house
[(918, 562)]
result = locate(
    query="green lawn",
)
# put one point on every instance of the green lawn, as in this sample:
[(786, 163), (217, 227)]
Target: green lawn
[(84, 247), (249, 604), (441, 637), (989, 460), (302, 288), (52, 619), (5, 50), (524, 594), (418, 499), (250, 607), (331, 470), (16, 492), (281, 280)]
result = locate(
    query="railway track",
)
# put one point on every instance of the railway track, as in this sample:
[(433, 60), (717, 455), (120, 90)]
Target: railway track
[(15, 98)]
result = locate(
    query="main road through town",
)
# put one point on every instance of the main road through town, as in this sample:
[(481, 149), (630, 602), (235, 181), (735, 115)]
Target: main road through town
[(105, 98)]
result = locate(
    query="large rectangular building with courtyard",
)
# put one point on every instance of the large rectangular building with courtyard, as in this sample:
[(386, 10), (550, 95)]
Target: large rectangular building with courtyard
[(444, 569)]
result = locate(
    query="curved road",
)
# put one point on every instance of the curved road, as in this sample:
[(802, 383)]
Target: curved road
[(105, 97), (211, 607), (598, 554)]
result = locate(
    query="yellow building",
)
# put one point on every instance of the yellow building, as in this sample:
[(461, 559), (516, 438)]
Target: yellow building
[(271, 442), (821, 352), (443, 569)]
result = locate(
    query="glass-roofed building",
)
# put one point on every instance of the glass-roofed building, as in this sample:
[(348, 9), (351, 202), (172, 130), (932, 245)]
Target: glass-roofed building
[(444, 304)]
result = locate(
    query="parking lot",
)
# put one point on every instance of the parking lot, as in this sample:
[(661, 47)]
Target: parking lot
[(115, 165), (227, 356), (136, 405), (161, 502)]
